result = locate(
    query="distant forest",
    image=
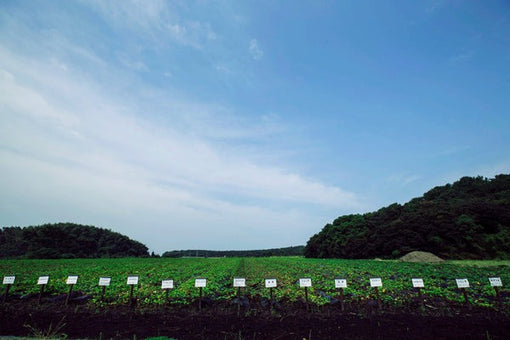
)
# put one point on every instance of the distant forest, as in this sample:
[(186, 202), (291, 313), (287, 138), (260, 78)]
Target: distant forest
[(288, 251), (66, 240), (469, 219)]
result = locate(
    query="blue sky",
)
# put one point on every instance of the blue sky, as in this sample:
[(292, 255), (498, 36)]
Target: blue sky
[(244, 124)]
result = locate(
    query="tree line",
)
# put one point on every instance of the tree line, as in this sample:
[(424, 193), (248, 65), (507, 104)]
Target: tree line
[(66, 240), (469, 219), (287, 251)]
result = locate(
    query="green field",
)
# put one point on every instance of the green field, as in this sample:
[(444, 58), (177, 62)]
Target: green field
[(396, 276)]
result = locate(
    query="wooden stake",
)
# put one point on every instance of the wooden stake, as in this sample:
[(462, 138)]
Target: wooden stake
[(238, 301), (464, 292), (131, 301), (378, 299), (69, 294), (40, 294), (7, 287), (271, 302), (102, 293), (498, 297), (200, 299), (306, 298), (342, 299)]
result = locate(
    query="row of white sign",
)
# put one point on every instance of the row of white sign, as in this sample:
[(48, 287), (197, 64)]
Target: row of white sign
[(241, 282)]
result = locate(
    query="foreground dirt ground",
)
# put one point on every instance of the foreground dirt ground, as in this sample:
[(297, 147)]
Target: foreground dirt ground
[(221, 321)]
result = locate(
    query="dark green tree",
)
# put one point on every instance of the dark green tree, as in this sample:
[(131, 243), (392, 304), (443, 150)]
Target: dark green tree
[(66, 240), (467, 219)]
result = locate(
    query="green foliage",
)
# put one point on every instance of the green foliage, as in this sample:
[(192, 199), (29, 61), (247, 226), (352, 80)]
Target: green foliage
[(469, 219), (396, 276), (66, 240)]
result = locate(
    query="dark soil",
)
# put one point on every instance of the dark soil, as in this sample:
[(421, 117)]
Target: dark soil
[(256, 320)]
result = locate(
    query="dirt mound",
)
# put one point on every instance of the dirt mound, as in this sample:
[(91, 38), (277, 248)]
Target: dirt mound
[(420, 256)]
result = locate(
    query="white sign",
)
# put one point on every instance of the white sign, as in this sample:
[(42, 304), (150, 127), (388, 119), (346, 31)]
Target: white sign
[(105, 281), (418, 283), (9, 280), (72, 279), (239, 282), (43, 280), (375, 282), (200, 283), (167, 284), (270, 283), (462, 283), (305, 282), (132, 280), (340, 283), (495, 281)]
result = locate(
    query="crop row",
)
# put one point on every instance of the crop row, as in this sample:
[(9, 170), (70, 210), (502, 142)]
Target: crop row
[(438, 279)]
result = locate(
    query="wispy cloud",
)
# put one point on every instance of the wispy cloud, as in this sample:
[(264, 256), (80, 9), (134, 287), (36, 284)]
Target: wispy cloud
[(404, 179), (146, 15), (461, 58), (94, 156), (193, 33), (255, 50), (112, 132), (158, 22), (435, 5), (134, 65), (449, 151)]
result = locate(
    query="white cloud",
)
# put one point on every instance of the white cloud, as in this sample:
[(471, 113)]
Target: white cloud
[(134, 65), (435, 6), (158, 22), (194, 34), (223, 69), (115, 139), (72, 149), (255, 50), (177, 30), (404, 179), (461, 58), (147, 14)]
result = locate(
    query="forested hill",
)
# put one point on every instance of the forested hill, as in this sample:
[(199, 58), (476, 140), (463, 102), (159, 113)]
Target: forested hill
[(287, 251), (469, 219), (66, 240)]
